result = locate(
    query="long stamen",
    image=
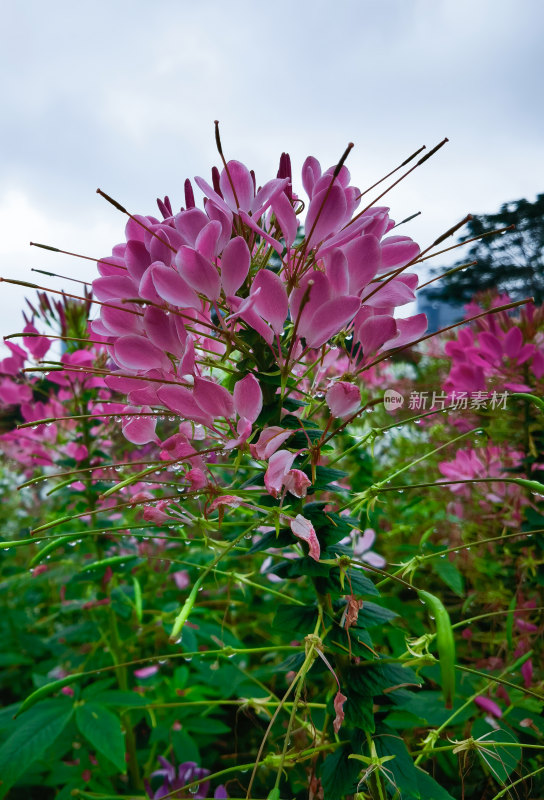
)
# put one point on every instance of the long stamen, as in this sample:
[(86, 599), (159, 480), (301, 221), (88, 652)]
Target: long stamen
[(56, 275), (449, 272), (66, 294), (467, 241), (75, 255), (121, 208), (402, 177), (400, 166), (223, 159)]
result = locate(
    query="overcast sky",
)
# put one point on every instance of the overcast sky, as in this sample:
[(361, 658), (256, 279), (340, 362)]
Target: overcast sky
[(122, 94)]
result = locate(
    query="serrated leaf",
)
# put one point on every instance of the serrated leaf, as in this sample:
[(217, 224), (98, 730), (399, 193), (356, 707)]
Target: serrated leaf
[(339, 775), (103, 731), (296, 619), (35, 732)]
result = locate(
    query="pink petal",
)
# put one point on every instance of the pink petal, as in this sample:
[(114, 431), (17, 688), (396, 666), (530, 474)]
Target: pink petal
[(181, 579), (213, 398), (397, 251), (235, 263), (488, 705), (337, 272), (321, 222), (163, 332), (286, 217), (114, 286), (242, 183), (207, 240), (181, 400), (199, 273), (329, 319), (189, 224), (409, 330), (311, 172), (137, 259), (137, 352), (364, 261), (272, 302), (392, 293), (160, 248), (303, 529), (146, 672), (172, 287), (139, 429), (120, 321), (343, 399), (374, 332), (248, 398), (319, 293)]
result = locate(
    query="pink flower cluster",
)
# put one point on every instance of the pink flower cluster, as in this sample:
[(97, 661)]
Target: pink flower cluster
[(499, 350)]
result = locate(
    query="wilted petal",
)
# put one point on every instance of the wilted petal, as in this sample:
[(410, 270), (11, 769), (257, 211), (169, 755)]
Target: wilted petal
[(343, 399), (338, 703), (235, 263), (297, 482), (279, 465), (303, 529), (248, 398), (269, 441)]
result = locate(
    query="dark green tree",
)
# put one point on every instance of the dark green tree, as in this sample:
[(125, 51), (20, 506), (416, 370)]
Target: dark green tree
[(511, 262)]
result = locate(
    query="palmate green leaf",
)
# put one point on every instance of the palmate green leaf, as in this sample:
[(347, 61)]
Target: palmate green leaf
[(340, 775), (35, 732), (296, 619), (501, 761), (103, 731)]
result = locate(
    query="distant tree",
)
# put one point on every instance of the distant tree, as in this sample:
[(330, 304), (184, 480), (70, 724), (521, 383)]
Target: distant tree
[(511, 263)]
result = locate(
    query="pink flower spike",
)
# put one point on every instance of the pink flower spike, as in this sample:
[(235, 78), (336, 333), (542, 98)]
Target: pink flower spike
[(235, 263), (488, 705), (338, 703), (343, 399), (303, 529), (248, 398)]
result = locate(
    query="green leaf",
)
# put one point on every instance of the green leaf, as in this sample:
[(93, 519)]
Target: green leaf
[(297, 619), (120, 699), (428, 787), (372, 614), (501, 761), (450, 575), (103, 730), (34, 734), (339, 776)]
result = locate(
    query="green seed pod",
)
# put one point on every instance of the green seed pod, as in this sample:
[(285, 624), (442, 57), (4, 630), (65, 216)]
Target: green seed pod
[(445, 643)]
